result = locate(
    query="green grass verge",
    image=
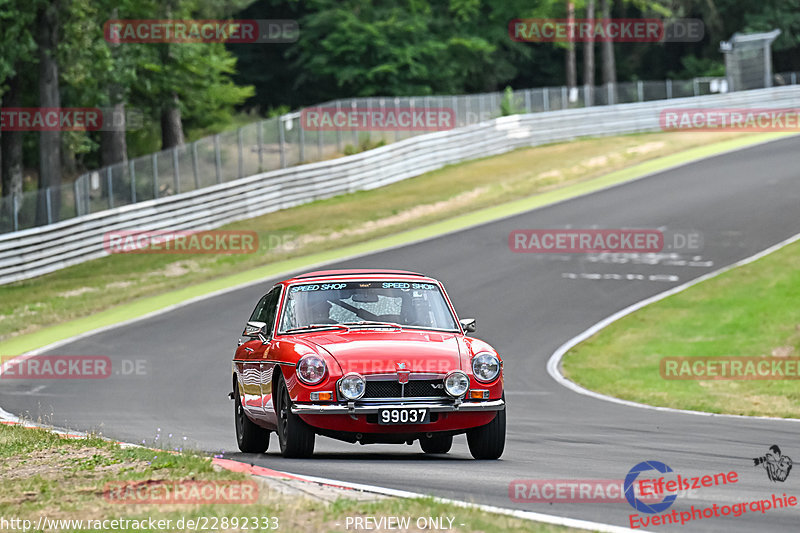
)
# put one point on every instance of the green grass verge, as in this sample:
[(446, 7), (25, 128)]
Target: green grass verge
[(106, 291), (748, 311), (45, 475)]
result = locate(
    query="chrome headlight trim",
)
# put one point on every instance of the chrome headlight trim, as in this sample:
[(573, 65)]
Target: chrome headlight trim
[(481, 359), (458, 379), (354, 377), (305, 362)]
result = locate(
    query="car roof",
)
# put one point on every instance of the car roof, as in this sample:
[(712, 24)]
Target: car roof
[(356, 273)]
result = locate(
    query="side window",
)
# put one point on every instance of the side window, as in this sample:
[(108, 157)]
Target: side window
[(258, 312), (270, 308)]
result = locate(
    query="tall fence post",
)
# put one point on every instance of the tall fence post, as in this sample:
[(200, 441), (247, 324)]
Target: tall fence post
[(302, 138), (77, 197), (767, 64), (353, 104), (319, 141), (15, 211), (696, 87), (154, 158), (396, 113), (240, 147), (49, 204), (195, 166), (176, 171), (110, 188), (260, 141), (640, 90), (546, 98), (217, 159), (339, 145), (794, 78), (282, 141), (132, 174), (669, 89)]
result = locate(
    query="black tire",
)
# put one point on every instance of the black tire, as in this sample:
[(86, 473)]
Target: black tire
[(296, 438), (488, 442), (436, 444), (250, 437)]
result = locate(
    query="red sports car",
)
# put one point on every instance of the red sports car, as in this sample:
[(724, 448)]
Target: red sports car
[(367, 356)]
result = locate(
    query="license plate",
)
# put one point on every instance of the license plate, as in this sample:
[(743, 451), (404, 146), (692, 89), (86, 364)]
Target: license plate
[(403, 415)]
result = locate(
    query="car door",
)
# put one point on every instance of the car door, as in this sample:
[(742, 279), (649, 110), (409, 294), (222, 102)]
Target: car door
[(250, 358), (266, 365)]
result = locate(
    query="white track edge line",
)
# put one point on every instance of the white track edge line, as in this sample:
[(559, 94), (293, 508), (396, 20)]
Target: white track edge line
[(554, 363), (526, 515), (7, 417)]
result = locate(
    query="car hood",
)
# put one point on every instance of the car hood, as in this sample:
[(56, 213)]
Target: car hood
[(378, 351)]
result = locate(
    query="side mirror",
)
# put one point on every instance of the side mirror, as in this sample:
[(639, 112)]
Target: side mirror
[(253, 328), (263, 334), (468, 324)]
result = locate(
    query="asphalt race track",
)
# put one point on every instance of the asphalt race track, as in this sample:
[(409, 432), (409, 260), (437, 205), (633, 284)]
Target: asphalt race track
[(527, 305)]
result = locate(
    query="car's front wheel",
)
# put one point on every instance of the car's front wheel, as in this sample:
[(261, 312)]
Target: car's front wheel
[(295, 436), (250, 437), (488, 442), (436, 443)]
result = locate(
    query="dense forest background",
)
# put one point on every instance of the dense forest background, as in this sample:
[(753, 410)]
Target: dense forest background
[(53, 54)]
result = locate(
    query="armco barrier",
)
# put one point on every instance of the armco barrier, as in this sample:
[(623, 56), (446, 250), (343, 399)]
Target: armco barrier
[(36, 251)]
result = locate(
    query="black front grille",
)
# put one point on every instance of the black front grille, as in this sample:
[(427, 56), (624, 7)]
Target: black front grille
[(382, 389), (415, 388), (425, 387)]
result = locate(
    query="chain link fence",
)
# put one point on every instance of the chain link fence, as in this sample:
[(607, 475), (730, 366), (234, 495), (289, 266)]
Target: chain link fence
[(282, 142)]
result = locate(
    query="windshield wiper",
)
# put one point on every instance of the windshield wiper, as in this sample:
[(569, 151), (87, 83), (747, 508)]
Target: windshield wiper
[(317, 326), (372, 323)]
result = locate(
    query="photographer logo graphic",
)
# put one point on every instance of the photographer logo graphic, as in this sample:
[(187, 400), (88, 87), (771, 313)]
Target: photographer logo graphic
[(777, 465), (630, 495)]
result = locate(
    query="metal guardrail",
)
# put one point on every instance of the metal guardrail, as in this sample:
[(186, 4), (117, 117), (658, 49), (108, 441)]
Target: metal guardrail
[(36, 251), (281, 142)]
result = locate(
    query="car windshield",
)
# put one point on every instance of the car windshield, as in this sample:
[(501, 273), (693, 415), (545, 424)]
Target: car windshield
[(366, 304)]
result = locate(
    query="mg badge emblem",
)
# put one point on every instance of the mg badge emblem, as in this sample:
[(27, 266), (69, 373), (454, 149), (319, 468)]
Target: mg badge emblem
[(402, 373)]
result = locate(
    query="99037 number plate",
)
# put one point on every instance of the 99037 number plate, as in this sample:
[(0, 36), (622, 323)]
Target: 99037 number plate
[(404, 415)]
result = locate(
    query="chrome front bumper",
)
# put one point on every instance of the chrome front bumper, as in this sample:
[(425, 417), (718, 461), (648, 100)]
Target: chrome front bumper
[(372, 408)]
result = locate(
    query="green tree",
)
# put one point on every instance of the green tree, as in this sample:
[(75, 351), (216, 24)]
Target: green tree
[(17, 46)]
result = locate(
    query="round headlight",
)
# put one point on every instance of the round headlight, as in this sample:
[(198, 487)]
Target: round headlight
[(352, 386), (311, 369), (456, 383), (485, 366)]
